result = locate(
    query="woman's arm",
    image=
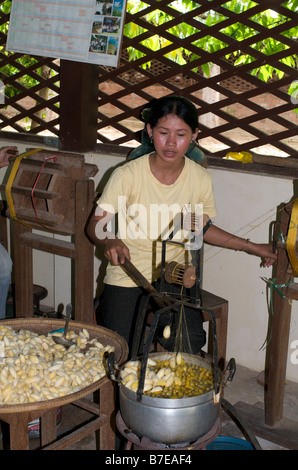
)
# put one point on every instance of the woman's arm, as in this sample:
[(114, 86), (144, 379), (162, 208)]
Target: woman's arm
[(114, 249), (218, 237)]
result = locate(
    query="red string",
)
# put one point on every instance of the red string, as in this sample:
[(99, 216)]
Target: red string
[(54, 157)]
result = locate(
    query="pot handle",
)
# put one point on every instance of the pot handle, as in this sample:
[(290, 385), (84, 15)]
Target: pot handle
[(111, 366), (229, 372)]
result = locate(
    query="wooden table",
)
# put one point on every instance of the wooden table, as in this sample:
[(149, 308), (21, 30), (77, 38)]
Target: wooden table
[(104, 412)]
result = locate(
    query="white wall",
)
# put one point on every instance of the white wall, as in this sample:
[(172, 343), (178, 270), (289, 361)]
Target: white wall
[(246, 205)]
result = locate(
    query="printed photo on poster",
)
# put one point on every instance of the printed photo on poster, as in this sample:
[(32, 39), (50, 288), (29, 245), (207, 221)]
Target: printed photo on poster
[(81, 30), (107, 30)]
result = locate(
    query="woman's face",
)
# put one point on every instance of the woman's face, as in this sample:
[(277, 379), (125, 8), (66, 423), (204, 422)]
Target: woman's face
[(171, 137)]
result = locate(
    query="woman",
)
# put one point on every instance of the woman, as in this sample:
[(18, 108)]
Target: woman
[(149, 194)]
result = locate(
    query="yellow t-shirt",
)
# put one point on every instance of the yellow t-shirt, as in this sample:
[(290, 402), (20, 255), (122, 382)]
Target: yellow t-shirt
[(149, 210)]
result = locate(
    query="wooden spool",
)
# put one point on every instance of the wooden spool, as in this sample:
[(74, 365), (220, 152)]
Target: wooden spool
[(52, 203), (176, 273)]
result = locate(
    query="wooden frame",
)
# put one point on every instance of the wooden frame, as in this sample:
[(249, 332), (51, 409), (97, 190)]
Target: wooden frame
[(80, 250)]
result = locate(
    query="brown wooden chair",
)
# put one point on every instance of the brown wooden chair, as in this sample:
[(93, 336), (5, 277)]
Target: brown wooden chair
[(219, 307)]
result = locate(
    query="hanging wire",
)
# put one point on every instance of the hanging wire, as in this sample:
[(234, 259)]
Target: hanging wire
[(182, 341), (244, 235)]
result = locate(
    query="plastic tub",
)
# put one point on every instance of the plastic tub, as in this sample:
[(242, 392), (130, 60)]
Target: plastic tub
[(229, 443)]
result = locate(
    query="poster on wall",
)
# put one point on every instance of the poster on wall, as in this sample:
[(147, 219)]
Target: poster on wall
[(80, 30)]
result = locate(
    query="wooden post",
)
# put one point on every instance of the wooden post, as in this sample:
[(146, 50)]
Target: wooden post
[(107, 408), (277, 351), (19, 437), (78, 106), (84, 254), (23, 273), (48, 431)]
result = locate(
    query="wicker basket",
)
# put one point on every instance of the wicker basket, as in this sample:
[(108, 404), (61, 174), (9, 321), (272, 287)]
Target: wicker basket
[(45, 326)]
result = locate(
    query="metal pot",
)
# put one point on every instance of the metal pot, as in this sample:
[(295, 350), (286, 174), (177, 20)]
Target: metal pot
[(168, 420)]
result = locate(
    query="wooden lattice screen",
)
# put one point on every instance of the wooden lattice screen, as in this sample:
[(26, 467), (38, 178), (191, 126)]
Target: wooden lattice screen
[(241, 112), (29, 89), (238, 111)]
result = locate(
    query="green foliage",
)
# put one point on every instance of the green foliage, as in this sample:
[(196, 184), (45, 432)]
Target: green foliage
[(238, 31), (208, 43), (293, 92)]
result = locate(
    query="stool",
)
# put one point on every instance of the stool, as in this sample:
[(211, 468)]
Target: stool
[(219, 307), (39, 293)]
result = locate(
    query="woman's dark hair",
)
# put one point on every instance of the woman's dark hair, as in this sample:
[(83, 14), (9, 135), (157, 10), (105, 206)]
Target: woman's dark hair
[(177, 105)]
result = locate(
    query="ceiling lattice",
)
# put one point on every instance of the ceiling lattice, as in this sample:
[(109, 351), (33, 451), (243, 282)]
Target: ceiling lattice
[(168, 50), (237, 109)]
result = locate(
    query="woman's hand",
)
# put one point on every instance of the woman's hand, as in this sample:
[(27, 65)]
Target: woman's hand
[(116, 251), (219, 237), (264, 250)]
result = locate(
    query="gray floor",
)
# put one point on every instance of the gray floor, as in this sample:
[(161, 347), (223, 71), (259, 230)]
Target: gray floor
[(245, 388)]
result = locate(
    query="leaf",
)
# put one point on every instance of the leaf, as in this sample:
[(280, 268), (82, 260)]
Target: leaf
[(206, 69)]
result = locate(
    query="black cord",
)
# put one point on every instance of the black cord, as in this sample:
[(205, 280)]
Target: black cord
[(247, 432)]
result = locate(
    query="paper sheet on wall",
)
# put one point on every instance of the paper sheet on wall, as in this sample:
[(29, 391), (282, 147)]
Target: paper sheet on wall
[(80, 30)]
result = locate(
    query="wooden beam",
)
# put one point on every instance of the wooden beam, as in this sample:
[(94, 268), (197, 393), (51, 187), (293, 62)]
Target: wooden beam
[(292, 291), (48, 244), (78, 106), (284, 434)]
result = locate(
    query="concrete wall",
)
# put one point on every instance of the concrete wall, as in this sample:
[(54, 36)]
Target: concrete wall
[(246, 205)]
